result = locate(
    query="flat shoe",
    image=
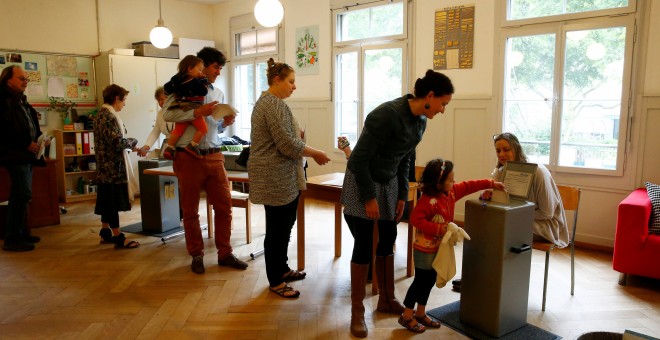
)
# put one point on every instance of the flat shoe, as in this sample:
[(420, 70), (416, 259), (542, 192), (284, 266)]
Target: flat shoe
[(286, 291), (106, 235), (416, 328), (427, 321), (294, 275)]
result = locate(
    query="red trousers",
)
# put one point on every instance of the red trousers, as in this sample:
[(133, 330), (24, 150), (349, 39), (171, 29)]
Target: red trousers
[(207, 174)]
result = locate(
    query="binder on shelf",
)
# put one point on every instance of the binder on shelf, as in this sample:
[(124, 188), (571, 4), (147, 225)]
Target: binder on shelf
[(91, 142), (79, 147), (85, 143)]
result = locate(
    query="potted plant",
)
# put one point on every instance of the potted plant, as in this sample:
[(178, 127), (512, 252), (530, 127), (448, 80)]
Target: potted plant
[(62, 106)]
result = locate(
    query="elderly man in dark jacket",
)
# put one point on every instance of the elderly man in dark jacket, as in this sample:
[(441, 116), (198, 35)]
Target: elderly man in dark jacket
[(19, 128)]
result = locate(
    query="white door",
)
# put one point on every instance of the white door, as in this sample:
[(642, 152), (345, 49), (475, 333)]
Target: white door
[(138, 76)]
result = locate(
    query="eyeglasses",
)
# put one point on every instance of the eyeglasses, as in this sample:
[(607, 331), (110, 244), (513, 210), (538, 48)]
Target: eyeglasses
[(23, 79), (505, 135)]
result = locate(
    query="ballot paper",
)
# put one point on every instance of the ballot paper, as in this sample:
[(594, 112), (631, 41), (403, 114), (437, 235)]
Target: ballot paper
[(221, 111), (518, 178), (41, 143)]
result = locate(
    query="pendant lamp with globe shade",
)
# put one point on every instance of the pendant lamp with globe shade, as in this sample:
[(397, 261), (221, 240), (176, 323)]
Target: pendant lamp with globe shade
[(160, 36), (269, 13)]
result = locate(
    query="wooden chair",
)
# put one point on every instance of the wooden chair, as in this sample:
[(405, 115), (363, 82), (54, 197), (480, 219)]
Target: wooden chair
[(238, 200), (570, 198)]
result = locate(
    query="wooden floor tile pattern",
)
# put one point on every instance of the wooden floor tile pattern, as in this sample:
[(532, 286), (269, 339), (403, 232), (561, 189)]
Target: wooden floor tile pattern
[(72, 287)]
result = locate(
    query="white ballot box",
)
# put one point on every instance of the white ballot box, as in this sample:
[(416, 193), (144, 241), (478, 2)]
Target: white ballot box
[(496, 265), (159, 198)]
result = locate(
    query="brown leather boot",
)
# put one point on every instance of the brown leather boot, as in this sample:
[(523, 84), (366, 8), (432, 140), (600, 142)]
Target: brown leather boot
[(358, 282), (387, 302)]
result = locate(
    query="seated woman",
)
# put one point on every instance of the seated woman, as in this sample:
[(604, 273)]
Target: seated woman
[(549, 216)]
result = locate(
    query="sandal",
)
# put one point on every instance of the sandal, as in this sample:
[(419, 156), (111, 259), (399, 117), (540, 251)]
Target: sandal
[(427, 321), (106, 235), (416, 328), (293, 275), (285, 291), (119, 242)]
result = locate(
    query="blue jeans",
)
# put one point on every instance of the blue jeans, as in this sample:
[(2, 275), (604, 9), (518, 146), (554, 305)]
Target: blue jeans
[(20, 197)]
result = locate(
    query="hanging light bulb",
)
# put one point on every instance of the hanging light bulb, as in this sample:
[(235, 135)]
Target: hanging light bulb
[(160, 36), (268, 13)]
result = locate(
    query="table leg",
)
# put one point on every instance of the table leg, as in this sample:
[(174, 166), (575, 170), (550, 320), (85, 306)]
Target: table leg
[(209, 217), (374, 275), (410, 269), (301, 232), (337, 229)]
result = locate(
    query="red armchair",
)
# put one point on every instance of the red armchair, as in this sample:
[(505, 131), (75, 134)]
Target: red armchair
[(636, 251)]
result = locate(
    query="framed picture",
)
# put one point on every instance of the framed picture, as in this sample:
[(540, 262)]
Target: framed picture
[(42, 113)]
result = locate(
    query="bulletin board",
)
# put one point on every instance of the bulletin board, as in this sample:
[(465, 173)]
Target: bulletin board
[(66, 76)]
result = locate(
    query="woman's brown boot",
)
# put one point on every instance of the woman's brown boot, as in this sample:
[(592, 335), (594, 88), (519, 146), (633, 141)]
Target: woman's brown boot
[(358, 282), (387, 302)]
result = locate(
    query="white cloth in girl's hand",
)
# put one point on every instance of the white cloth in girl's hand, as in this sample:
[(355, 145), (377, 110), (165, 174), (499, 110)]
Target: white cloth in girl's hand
[(445, 260)]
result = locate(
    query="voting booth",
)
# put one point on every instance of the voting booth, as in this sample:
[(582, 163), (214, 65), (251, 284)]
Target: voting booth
[(497, 259)]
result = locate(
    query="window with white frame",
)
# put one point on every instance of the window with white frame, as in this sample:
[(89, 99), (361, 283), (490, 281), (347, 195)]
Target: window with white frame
[(566, 81), (252, 46), (370, 61)]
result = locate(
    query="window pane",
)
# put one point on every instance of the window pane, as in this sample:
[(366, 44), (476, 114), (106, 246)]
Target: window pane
[(528, 93), (592, 89), (244, 99), (370, 22), (524, 9), (267, 40), (381, 67), (246, 43), (347, 95)]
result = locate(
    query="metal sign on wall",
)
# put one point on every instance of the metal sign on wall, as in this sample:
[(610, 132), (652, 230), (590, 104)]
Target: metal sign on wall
[(453, 39)]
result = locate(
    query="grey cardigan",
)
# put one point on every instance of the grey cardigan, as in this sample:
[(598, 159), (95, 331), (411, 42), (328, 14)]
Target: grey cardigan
[(275, 154)]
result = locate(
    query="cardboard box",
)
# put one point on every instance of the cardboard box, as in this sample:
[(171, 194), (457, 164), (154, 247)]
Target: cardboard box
[(69, 149), (146, 49), (122, 51)]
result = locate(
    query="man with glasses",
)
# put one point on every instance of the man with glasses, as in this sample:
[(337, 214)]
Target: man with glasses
[(19, 128)]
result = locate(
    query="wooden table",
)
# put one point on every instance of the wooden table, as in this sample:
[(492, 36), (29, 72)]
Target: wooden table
[(328, 188)]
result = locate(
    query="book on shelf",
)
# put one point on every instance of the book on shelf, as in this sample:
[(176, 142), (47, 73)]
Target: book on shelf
[(79, 147), (91, 142), (85, 144)]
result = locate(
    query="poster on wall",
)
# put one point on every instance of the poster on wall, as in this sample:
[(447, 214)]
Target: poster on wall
[(453, 41), (307, 50)]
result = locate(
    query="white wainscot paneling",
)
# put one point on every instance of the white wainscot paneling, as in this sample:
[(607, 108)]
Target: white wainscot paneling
[(315, 117)]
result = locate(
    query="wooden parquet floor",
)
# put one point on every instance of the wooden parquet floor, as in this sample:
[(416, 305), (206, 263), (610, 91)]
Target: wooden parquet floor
[(71, 287)]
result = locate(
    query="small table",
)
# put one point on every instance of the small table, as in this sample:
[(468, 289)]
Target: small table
[(328, 188)]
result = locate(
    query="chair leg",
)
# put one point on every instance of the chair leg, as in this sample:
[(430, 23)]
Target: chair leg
[(545, 278), (248, 223), (622, 279), (572, 269)]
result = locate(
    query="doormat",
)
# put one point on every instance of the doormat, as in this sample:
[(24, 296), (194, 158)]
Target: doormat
[(449, 315), (136, 228)]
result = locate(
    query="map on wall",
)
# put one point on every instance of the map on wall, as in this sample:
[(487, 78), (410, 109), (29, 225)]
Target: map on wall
[(61, 66), (307, 50), (453, 41)]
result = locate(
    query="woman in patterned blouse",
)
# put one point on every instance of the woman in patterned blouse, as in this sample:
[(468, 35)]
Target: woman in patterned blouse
[(111, 153), (276, 172)]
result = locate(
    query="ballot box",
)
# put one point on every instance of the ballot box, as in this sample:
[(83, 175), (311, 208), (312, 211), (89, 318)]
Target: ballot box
[(496, 265), (159, 198)]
